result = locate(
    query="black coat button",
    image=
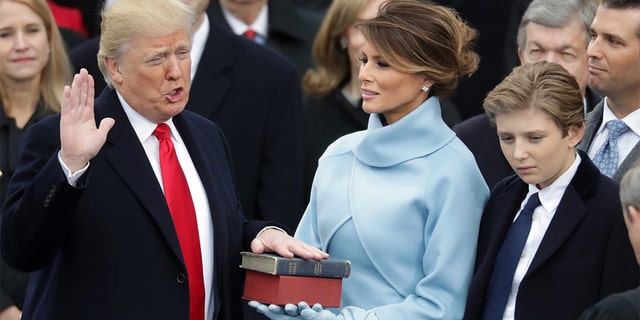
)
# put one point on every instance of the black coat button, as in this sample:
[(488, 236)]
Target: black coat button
[(52, 192), (181, 278)]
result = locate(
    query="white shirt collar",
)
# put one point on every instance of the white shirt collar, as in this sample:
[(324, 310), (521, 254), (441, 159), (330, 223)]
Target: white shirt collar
[(142, 126), (260, 25), (632, 120), (550, 196)]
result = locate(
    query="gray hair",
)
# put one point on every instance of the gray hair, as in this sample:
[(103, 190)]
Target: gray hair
[(126, 19), (556, 14), (630, 188)]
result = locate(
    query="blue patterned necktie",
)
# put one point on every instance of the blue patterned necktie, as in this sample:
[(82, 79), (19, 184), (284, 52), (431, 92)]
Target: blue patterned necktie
[(507, 260), (607, 157)]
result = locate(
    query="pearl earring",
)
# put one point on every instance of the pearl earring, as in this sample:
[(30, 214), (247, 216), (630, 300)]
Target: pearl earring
[(343, 42), (425, 88)]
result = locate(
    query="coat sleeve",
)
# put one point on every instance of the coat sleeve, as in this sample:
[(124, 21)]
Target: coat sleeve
[(41, 204)]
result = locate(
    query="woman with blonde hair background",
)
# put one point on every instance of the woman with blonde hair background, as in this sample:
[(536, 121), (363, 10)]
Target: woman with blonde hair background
[(34, 68)]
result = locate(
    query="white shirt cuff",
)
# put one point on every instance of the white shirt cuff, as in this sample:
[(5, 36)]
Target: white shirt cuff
[(73, 177), (270, 227)]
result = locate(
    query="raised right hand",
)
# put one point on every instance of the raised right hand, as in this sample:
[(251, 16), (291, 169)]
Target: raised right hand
[(79, 137)]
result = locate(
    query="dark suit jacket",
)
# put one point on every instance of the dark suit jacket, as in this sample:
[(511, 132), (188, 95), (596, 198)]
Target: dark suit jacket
[(619, 306), (85, 55), (584, 256), (291, 30), (481, 138), (13, 284), (594, 120), (325, 120), (254, 95), (107, 249)]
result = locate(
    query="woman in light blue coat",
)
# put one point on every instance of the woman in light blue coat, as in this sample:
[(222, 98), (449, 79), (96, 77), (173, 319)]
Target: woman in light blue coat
[(401, 200)]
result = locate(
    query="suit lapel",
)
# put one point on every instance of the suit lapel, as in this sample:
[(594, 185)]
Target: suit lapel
[(570, 212), (210, 83), (593, 120), (206, 164), (627, 163), (136, 171), (592, 98), (508, 205), (285, 21), (506, 211)]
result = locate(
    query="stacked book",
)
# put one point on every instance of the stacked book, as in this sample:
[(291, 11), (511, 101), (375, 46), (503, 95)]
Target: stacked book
[(272, 279)]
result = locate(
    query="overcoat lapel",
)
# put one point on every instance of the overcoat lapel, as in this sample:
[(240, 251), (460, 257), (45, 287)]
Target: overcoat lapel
[(136, 171), (202, 158), (570, 212)]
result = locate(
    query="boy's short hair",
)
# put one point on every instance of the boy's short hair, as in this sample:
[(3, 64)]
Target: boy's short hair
[(542, 85)]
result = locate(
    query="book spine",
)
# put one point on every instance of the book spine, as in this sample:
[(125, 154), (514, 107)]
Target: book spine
[(323, 268)]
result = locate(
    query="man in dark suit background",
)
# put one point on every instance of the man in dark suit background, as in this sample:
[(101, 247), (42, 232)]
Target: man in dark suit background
[(550, 30), (614, 66), (254, 95), (624, 305), (86, 212), (278, 24)]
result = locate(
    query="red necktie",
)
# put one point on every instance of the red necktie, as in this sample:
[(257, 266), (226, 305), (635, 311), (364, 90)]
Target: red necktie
[(176, 191), (250, 34)]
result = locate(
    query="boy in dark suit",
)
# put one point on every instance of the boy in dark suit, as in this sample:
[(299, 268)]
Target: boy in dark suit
[(553, 256)]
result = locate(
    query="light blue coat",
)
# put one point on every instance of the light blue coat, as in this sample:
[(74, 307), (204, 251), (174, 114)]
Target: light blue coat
[(403, 203)]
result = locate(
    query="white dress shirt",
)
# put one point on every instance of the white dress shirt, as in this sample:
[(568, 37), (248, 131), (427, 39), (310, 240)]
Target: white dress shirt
[(540, 220)]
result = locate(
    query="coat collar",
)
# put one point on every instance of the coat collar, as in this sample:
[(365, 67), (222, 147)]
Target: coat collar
[(122, 143), (592, 98), (210, 84), (592, 120), (285, 21), (584, 181), (383, 146), (569, 213)]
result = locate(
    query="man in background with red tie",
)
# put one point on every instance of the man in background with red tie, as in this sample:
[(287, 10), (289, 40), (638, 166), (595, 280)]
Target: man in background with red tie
[(129, 210), (278, 24)]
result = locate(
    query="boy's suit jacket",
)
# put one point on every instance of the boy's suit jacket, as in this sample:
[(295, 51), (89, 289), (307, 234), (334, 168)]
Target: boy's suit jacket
[(107, 249), (584, 256)]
